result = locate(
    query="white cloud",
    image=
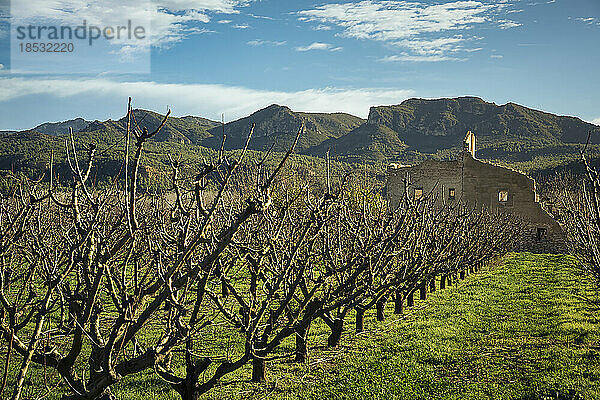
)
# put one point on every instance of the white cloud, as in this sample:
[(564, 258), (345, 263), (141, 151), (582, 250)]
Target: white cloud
[(407, 24), (222, 6), (416, 58), (507, 24), (225, 21), (588, 20), (596, 121), (171, 20), (261, 17), (438, 46), (541, 3), (206, 100), (497, 56), (259, 42), (1, 67), (241, 26), (318, 46), (393, 20)]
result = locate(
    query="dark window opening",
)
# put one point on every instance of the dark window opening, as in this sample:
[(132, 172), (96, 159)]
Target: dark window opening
[(541, 234)]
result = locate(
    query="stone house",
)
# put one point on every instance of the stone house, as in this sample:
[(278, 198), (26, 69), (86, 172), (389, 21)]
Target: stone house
[(479, 184)]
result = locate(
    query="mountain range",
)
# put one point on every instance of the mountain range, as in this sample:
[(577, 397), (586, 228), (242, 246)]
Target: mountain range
[(408, 132)]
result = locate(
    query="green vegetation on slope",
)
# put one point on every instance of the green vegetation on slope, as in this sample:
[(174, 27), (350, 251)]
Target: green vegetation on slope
[(185, 130), (277, 126), (425, 123), (60, 128), (427, 127), (532, 141), (367, 143)]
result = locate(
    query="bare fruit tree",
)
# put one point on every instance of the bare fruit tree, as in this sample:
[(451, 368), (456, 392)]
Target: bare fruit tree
[(225, 270)]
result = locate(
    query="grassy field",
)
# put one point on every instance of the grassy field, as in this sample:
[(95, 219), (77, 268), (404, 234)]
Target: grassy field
[(520, 330)]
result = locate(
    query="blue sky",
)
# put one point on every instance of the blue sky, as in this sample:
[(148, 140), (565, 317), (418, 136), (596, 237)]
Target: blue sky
[(235, 56)]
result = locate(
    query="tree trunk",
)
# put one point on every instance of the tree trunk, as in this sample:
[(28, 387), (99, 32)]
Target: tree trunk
[(381, 309), (360, 320), (258, 370), (301, 345), (336, 332), (423, 291), (398, 300), (432, 284), (189, 394), (410, 301), (443, 282), (188, 388), (462, 274), (258, 366)]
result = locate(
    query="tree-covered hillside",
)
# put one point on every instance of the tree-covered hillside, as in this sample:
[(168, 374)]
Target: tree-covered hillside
[(276, 126), (533, 141)]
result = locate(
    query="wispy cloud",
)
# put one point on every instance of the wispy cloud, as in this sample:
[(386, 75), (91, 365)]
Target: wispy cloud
[(405, 57), (497, 56), (172, 20), (507, 24), (437, 47), (259, 42), (319, 46), (225, 21), (588, 20), (242, 26), (185, 99), (261, 17), (541, 3), (393, 20), (408, 24)]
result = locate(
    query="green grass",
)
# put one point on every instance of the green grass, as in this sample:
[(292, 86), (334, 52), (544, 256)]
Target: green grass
[(521, 329), (518, 331)]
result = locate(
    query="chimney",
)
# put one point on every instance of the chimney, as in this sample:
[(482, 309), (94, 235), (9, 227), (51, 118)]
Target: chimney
[(469, 144)]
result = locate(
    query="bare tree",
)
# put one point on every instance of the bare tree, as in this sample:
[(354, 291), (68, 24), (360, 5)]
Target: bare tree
[(98, 285)]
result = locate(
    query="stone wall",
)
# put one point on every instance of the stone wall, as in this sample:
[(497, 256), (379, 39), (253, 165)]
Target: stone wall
[(479, 184)]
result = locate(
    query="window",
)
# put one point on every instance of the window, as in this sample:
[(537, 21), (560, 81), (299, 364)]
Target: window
[(541, 234), (503, 196), (451, 193), (418, 193)]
